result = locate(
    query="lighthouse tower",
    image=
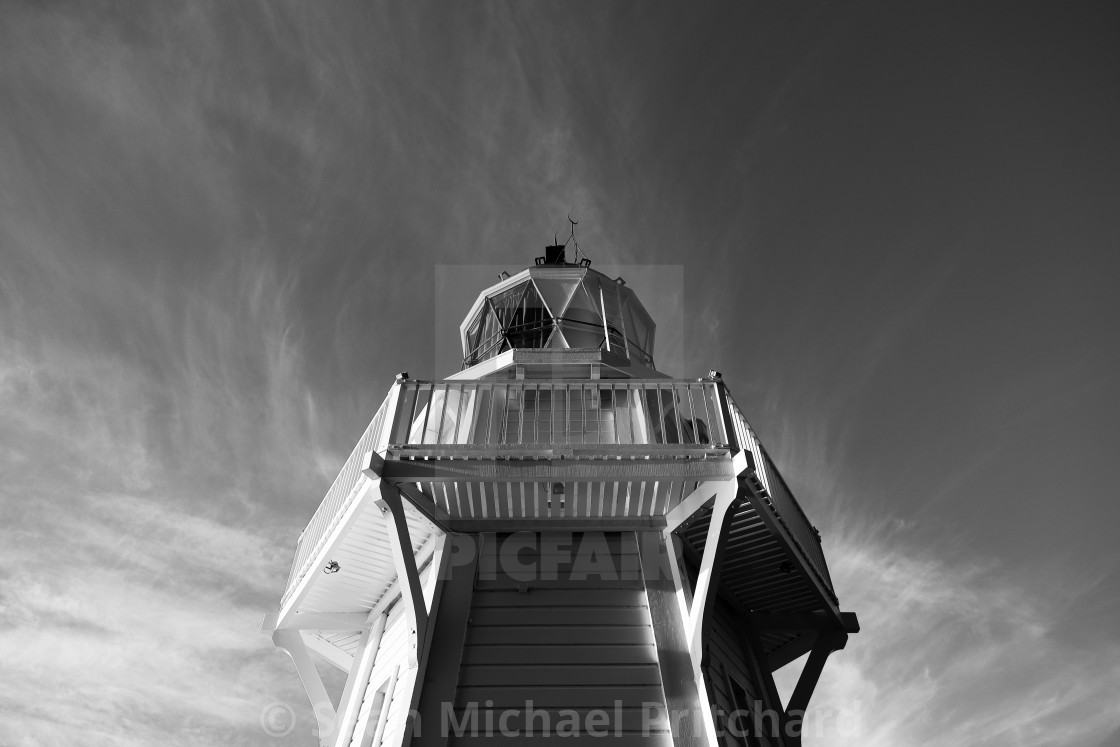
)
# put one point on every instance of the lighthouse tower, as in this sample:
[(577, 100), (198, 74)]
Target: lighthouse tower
[(558, 541)]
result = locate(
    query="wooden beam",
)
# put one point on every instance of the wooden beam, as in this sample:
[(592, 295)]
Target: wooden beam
[(326, 621), (436, 568), (556, 470), (328, 652), (751, 641), (707, 580), (668, 614), (449, 633), (558, 452), (791, 651), (393, 591), (558, 524), (350, 704), (825, 644), (440, 574), (692, 503), (292, 642), (408, 576), (432, 511), (792, 621)]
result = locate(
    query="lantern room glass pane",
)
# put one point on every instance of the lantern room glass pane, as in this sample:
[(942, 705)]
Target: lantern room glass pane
[(556, 293), (489, 337), (506, 303), (472, 332), (557, 341), (582, 324), (530, 324), (637, 330)]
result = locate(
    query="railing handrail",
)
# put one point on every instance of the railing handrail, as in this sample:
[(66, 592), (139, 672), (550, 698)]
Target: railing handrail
[(789, 512), (647, 422), (329, 511), (552, 382), (504, 411)]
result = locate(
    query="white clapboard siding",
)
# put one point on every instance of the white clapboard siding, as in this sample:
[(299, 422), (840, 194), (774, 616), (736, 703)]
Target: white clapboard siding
[(582, 643)]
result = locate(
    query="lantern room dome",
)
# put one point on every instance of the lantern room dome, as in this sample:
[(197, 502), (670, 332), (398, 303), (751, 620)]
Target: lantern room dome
[(558, 307)]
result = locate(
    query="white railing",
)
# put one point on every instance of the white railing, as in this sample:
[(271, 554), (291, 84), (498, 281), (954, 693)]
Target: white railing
[(804, 535), (508, 413), (526, 413), (341, 492)]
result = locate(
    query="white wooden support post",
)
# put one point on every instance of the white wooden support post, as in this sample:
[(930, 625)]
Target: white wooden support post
[(412, 593), (824, 645), (325, 717), (694, 604), (691, 503), (707, 580), (667, 595), (680, 583), (435, 568), (350, 704), (328, 653)]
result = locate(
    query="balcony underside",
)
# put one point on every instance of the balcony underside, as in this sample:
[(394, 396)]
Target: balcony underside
[(478, 492), (481, 461), (761, 576)]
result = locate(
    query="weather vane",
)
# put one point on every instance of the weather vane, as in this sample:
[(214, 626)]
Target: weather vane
[(572, 240)]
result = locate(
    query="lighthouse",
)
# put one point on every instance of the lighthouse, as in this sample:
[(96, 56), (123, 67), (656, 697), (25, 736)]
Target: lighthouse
[(559, 542)]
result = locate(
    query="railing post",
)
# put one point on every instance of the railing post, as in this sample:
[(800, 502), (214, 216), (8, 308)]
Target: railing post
[(407, 393), (728, 423)]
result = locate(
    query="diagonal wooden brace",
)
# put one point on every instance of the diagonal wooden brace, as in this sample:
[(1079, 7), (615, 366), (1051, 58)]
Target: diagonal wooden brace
[(291, 641), (823, 646), (408, 576)]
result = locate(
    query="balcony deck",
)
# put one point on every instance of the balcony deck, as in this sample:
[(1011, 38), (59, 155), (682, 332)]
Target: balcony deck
[(496, 456)]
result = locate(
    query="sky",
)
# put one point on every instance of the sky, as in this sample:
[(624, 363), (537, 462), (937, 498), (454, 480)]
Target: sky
[(224, 227)]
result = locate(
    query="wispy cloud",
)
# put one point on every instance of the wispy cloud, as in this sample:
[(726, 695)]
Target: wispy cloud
[(953, 651), (218, 224), (128, 621)]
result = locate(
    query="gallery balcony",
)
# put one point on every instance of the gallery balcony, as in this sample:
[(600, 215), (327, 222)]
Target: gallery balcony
[(616, 454)]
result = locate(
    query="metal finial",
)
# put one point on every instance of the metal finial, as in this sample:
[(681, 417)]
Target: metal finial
[(585, 262)]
